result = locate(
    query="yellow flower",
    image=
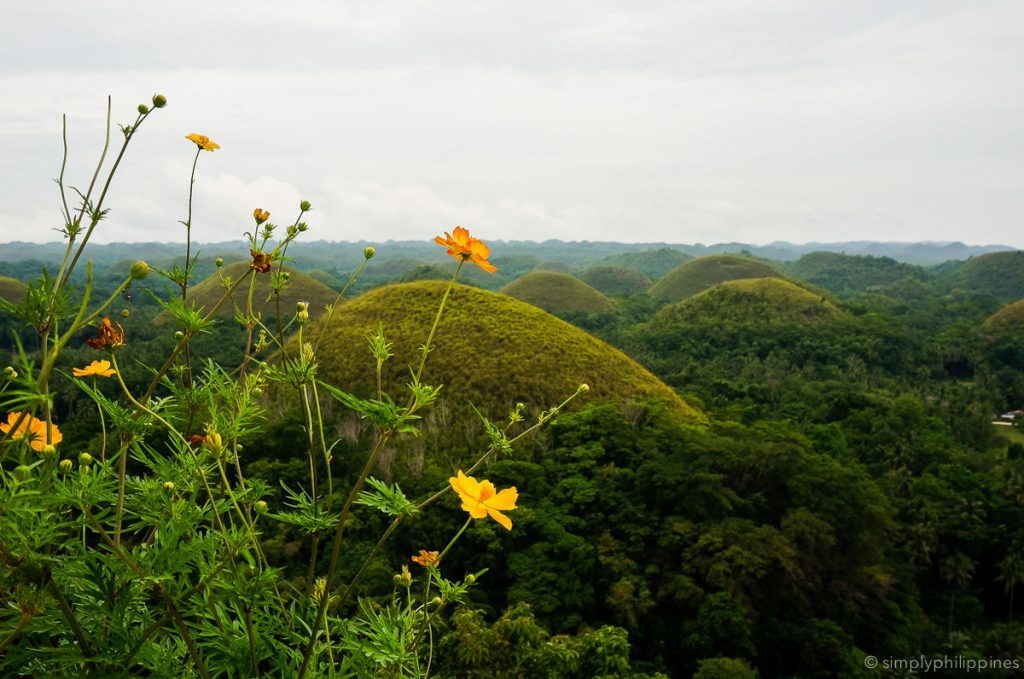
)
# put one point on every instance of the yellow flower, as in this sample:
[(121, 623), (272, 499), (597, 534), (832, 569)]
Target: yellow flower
[(96, 368), (480, 498), (260, 216), (202, 141), (426, 559), (36, 431), (463, 246)]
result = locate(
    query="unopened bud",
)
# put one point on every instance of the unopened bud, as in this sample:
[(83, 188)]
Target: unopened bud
[(143, 109), (66, 466), (159, 101), (303, 316), (260, 507), (584, 388), (169, 486), (369, 252), (213, 441), (10, 373), (470, 579), (436, 601), (301, 306), (305, 206), (139, 270), (85, 459), (404, 578), (293, 231), (125, 313), (302, 226), (219, 261), (178, 334), (22, 472), (49, 451)]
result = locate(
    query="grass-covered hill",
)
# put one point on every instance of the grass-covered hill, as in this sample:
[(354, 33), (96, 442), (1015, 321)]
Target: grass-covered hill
[(999, 275), (616, 280), (752, 300), (698, 275), (490, 349), (12, 289), (1008, 319), (652, 263), (847, 275), (301, 288), (558, 294)]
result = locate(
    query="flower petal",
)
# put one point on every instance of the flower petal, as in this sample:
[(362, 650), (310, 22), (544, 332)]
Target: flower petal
[(506, 499), (505, 522)]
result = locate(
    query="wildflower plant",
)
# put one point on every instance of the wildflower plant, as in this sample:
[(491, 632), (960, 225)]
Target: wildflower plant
[(148, 556)]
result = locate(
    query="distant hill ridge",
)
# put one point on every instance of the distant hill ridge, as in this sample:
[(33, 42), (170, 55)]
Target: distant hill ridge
[(581, 254)]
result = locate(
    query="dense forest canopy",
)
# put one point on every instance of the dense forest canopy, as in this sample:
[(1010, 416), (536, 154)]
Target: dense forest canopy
[(780, 468)]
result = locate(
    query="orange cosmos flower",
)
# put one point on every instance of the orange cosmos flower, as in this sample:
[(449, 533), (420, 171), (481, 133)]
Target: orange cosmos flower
[(260, 216), (96, 368), (109, 337), (202, 141), (480, 499), (463, 246), (426, 559), (33, 428)]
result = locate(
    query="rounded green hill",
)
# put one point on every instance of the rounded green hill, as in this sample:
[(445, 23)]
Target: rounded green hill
[(1008, 319), (755, 300), (616, 280), (12, 289), (490, 350), (697, 275), (998, 274), (558, 294), (846, 275), (301, 288)]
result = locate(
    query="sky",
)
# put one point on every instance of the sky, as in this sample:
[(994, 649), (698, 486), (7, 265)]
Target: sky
[(664, 121)]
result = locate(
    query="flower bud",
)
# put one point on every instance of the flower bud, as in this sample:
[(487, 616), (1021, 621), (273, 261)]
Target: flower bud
[(169, 486), (10, 373), (213, 441), (178, 334), (159, 101), (404, 578), (303, 316), (293, 231), (85, 459), (143, 109), (49, 451), (302, 226), (260, 507), (23, 472), (305, 206), (470, 579), (219, 261), (369, 252), (584, 388), (66, 466), (125, 313), (436, 601), (260, 215), (301, 306), (139, 270)]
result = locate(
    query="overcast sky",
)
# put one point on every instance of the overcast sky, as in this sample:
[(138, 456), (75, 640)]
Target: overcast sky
[(689, 121)]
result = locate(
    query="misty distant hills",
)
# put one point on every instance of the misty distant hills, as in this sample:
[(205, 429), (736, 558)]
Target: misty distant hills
[(578, 255)]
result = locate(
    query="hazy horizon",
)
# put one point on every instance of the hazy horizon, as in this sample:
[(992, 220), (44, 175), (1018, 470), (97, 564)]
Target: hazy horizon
[(700, 122)]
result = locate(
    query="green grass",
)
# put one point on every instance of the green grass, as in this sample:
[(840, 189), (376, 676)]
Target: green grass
[(1008, 319), (698, 275), (12, 289), (1011, 434), (490, 349), (756, 300), (301, 288), (558, 294), (616, 280)]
